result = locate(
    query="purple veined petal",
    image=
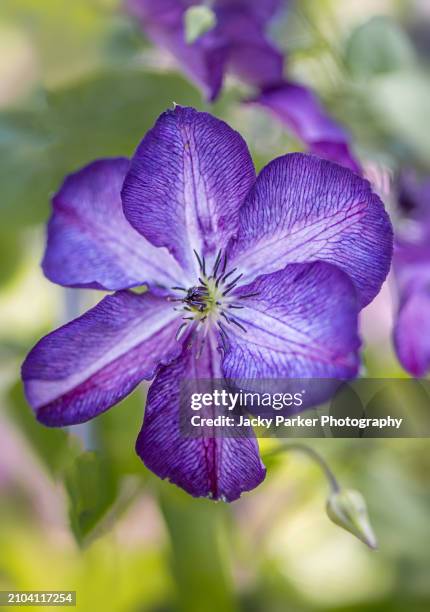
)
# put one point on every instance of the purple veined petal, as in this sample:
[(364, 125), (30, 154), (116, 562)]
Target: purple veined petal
[(90, 364), (219, 467), (301, 111), (163, 21), (91, 243), (412, 332), (301, 323), (186, 183), (305, 209)]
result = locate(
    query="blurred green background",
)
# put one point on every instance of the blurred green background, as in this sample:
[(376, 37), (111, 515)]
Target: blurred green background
[(78, 510)]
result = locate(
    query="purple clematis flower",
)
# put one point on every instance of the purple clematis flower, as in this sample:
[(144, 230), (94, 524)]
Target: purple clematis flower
[(238, 45), (411, 265), (264, 277)]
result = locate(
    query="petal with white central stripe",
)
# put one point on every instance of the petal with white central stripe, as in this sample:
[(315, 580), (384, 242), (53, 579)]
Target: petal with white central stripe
[(91, 363), (186, 183)]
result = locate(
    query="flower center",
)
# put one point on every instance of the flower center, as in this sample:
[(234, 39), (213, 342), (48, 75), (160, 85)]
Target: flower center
[(203, 298), (210, 302)]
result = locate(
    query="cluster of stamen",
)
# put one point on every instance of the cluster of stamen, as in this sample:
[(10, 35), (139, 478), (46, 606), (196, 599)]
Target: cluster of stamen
[(210, 302)]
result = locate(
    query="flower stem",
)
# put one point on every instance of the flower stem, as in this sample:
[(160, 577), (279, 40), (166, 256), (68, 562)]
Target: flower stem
[(316, 457)]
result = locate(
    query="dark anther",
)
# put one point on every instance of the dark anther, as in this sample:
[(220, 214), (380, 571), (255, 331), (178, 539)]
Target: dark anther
[(224, 266), (223, 336), (225, 316), (201, 261), (217, 262), (196, 298), (239, 325), (224, 278), (232, 285), (181, 330), (234, 282), (248, 295)]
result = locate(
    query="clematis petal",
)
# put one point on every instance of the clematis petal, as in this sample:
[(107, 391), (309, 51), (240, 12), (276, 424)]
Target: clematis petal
[(187, 181), (412, 275), (414, 196), (257, 64), (163, 21), (218, 467), (411, 266), (338, 152), (412, 332), (261, 10), (249, 54), (237, 42), (304, 209), (301, 323), (300, 110), (86, 366), (90, 242)]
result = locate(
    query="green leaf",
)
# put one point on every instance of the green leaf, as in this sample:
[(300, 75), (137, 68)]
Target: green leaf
[(91, 490), (198, 20), (110, 113), (102, 116), (55, 447), (378, 46), (26, 171), (11, 253)]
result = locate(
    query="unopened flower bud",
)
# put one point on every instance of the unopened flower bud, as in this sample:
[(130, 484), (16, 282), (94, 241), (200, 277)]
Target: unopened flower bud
[(347, 508), (198, 20)]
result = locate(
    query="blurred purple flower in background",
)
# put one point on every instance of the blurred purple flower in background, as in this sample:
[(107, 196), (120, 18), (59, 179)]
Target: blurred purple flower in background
[(411, 264), (248, 278), (238, 45)]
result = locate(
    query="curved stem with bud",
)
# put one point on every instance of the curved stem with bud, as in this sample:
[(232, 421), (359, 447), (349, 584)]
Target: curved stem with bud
[(345, 507)]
